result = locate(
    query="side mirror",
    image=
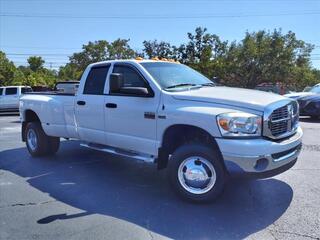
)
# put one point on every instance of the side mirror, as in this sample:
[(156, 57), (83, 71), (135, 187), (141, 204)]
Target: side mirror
[(116, 82)]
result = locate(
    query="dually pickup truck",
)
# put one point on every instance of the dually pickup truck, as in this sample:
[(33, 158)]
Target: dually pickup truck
[(166, 113)]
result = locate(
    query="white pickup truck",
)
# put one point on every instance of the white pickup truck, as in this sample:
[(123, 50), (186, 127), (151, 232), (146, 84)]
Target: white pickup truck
[(9, 97), (168, 114)]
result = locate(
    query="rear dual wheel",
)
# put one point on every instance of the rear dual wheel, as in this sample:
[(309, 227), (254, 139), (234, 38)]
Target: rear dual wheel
[(38, 143)]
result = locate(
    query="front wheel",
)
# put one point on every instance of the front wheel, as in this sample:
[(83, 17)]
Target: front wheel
[(197, 172)]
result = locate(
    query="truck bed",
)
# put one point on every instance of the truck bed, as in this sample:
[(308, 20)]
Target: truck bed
[(51, 93)]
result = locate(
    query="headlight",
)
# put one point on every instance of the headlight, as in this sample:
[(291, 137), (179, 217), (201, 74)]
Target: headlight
[(239, 124)]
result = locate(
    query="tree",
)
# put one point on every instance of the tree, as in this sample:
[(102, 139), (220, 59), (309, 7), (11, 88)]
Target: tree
[(120, 49), (204, 52), (95, 52), (266, 57), (35, 63), (158, 49), (7, 70)]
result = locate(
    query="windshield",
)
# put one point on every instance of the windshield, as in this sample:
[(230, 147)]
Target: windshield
[(315, 89), (170, 75)]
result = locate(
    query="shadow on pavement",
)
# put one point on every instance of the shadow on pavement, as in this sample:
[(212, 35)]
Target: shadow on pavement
[(136, 192)]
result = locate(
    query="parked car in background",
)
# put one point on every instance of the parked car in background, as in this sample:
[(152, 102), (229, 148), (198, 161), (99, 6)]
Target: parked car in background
[(278, 88), (9, 97), (309, 101), (310, 105), (68, 87), (306, 92)]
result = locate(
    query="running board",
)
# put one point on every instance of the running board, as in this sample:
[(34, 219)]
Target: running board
[(119, 152)]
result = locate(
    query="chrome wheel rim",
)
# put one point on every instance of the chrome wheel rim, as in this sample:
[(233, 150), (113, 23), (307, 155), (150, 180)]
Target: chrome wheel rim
[(32, 139), (197, 175)]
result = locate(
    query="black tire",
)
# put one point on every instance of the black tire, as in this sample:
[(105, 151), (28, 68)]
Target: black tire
[(41, 147), (209, 154), (53, 145), (45, 145)]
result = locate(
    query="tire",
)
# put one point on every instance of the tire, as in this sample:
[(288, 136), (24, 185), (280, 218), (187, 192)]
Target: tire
[(53, 145), (206, 163), (38, 143)]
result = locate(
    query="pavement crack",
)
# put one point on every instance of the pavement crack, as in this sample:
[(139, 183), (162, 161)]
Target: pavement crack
[(150, 234), (295, 234), (28, 204)]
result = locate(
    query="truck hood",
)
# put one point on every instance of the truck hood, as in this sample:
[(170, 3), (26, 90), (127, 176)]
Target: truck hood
[(237, 97)]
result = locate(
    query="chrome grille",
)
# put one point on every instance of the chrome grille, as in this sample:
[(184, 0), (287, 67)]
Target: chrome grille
[(281, 121)]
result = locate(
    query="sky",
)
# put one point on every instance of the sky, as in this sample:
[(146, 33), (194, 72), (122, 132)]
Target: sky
[(54, 29)]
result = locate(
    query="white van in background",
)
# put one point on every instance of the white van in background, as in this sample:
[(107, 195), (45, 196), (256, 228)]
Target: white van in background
[(9, 97)]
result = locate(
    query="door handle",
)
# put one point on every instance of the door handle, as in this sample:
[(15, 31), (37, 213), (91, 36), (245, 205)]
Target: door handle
[(111, 105), (81, 103)]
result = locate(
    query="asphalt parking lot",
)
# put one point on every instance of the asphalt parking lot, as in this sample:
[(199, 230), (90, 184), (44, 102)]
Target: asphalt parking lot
[(83, 194)]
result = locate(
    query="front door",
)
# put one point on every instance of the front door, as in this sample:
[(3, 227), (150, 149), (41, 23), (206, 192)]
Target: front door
[(89, 106), (131, 120)]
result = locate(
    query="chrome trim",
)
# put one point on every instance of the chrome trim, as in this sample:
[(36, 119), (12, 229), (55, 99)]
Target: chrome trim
[(197, 175), (32, 139), (247, 163), (289, 155), (107, 149), (267, 118)]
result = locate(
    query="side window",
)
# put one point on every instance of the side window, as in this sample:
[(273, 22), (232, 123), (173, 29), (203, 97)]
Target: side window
[(96, 79), (11, 91), (130, 77), (1, 91), (26, 90)]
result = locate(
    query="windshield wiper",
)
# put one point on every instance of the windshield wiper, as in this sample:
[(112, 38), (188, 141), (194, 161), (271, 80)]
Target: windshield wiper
[(181, 85), (208, 84)]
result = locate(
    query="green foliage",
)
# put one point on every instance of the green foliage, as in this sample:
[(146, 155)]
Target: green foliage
[(7, 70), (260, 57), (95, 52), (33, 75), (158, 49), (267, 57), (35, 63)]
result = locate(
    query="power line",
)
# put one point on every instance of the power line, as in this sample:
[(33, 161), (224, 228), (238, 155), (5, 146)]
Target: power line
[(38, 54), (150, 1), (23, 15), (44, 48)]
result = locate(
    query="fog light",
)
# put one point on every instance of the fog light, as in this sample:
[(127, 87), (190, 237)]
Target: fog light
[(261, 164)]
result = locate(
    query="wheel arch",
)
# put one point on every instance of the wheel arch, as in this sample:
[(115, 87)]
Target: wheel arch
[(178, 134), (28, 116)]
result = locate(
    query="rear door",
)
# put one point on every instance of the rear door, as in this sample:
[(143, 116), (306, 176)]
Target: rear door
[(11, 98), (89, 106)]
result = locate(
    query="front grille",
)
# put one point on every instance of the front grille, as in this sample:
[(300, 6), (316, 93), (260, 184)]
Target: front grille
[(279, 128), (280, 113), (279, 121), (283, 120)]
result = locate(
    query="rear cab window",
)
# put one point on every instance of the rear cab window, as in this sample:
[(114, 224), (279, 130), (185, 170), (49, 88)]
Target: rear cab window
[(11, 91)]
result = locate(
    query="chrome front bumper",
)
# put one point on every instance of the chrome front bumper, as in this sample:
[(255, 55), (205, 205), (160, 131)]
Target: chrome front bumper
[(261, 155)]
